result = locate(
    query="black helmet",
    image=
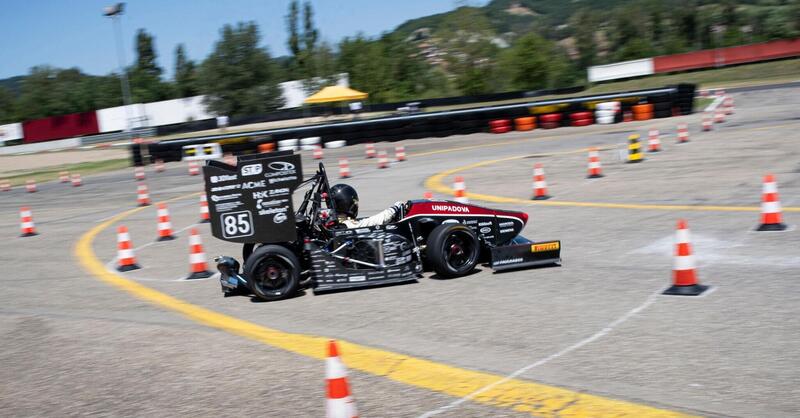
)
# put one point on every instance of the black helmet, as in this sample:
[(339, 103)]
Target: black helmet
[(345, 200)]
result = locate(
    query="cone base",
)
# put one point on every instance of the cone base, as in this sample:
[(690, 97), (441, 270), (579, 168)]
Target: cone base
[(344, 177), (129, 267), (200, 275), (654, 150), (165, 238), (143, 204), (772, 227), (545, 197), (634, 161), (682, 142), (204, 221), (29, 234), (690, 290), (594, 176)]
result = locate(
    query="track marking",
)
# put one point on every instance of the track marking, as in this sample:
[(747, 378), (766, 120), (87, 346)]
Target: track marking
[(519, 395), (608, 328)]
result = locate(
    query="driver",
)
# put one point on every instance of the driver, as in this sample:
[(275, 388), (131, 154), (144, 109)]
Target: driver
[(345, 202)]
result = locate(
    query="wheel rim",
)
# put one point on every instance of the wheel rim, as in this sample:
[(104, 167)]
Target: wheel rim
[(459, 250), (273, 276)]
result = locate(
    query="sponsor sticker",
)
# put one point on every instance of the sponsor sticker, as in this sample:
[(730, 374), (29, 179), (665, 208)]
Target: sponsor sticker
[(486, 230), (223, 177), (251, 169), (545, 246)]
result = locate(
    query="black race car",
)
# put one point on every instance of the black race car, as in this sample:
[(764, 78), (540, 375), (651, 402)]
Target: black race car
[(286, 249)]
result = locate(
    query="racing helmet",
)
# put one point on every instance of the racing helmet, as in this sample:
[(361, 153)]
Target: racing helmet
[(345, 200)]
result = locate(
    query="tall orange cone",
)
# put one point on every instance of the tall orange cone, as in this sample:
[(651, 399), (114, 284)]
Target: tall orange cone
[(142, 195), (383, 159), (126, 260), (460, 190), (204, 215), (76, 180), (30, 186), (770, 206), (5, 185), (595, 170), (26, 222), (539, 183), (707, 123), (159, 166), (683, 133), (344, 168), (400, 153), (338, 401), (653, 143), (684, 277), (317, 154), (63, 177), (427, 195), (719, 116), (194, 168), (138, 173), (164, 224), (369, 150), (197, 257)]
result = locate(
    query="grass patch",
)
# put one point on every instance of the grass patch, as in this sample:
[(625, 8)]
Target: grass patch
[(19, 177), (701, 103)]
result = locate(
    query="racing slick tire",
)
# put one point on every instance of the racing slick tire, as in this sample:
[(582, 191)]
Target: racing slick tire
[(272, 272), (452, 250)]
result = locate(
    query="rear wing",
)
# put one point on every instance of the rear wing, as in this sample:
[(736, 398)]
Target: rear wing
[(251, 202)]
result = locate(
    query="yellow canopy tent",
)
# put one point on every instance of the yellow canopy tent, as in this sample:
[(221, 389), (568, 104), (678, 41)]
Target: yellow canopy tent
[(335, 94)]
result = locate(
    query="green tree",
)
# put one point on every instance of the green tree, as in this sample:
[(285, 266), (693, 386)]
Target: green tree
[(7, 106), (239, 77), (536, 63), (584, 25), (145, 76), (293, 41), (185, 74)]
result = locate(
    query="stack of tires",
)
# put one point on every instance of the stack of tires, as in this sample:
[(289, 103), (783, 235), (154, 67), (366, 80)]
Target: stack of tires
[(662, 105), (527, 123), (606, 112), (500, 126), (642, 111), (287, 145), (582, 118), (308, 144), (550, 120)]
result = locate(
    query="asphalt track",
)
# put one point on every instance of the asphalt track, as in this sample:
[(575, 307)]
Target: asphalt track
[(591, 338)]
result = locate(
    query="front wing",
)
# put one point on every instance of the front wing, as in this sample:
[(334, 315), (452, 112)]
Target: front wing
[(522, 253)]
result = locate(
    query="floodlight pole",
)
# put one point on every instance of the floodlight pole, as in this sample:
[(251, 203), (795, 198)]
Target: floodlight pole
[(115, 12)]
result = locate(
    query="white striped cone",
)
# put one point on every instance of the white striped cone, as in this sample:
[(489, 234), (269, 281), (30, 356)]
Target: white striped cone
[(5, 185), (126, 260), (317, 154), (198, 267), (460, 190), (230, 159), (684, 276), (427, 195), (76, 180), (707, 123), (344, 168), (204, 215), (400, 153), (63, 177), (383, 159), (683, 133), (164, 224), (159, 166), (338, 401), (30, 186), (653, 142), (539, 183), (719, 116), (142, 195), (26, 222), (770, 206), (595, 169), (369, 149), (138, 173), (194, 168)]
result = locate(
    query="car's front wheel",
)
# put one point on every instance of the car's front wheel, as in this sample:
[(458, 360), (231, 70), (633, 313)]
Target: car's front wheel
[(452, 250), (272, 272)]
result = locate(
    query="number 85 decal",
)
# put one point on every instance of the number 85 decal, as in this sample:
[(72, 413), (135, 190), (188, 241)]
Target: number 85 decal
[(237, 224)]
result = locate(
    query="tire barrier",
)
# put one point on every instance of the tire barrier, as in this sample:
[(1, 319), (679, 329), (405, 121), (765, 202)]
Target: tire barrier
[(309, 144), (288, 144), (684, 277), (335, 144), (500, 126), (582, 122), (527, 123)]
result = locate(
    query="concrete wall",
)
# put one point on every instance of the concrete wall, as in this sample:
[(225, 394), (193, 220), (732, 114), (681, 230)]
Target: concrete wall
[(623, 69), (41, 146), (10, 132), (176, 111), (114, 119)]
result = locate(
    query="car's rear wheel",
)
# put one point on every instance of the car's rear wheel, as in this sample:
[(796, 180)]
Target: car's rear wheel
[(452, 250), (272, 272)]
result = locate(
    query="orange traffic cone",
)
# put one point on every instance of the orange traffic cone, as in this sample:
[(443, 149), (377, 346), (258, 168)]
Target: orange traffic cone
[(595, 170), (317, 153), (338, 402), (164, 224), (5, 185), (76, 180), (383, 160), (159, 166), (26, 222), (344, 168), (719, 116), (539, 183), (684, 277), (138, 173), (142, 195), (728, 105), (400, 153), (194, 169), (653, 143), (369, 149), (197, 257), (460, 190), (63, 177), (683, 133), (30, 186), (707, 123), (427, 195), (770, 206), (204, 215), (126, 260)]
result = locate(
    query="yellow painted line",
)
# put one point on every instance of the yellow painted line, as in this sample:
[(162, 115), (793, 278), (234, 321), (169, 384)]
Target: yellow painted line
[(518, 395)]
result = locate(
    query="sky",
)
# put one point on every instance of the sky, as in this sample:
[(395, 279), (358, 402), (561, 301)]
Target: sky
[(64, 33)]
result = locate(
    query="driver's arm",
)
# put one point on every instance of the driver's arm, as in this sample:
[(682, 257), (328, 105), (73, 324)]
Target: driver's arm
[(381, 218)]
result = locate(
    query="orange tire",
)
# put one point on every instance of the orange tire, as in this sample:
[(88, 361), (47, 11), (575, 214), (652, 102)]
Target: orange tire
[(642, 108), (643, 116), (266, 147), (526, 127)]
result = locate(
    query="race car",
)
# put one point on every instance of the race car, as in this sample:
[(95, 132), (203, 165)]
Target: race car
[(285, 250)]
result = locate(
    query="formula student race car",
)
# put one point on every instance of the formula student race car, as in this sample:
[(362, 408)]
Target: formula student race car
[(286, 249)]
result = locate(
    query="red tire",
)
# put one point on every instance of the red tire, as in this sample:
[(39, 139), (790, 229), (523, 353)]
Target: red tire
[(550, 117), (642, 108), (499, 122), (549, 125), (500, 129), (582, 122), (581, 115)]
